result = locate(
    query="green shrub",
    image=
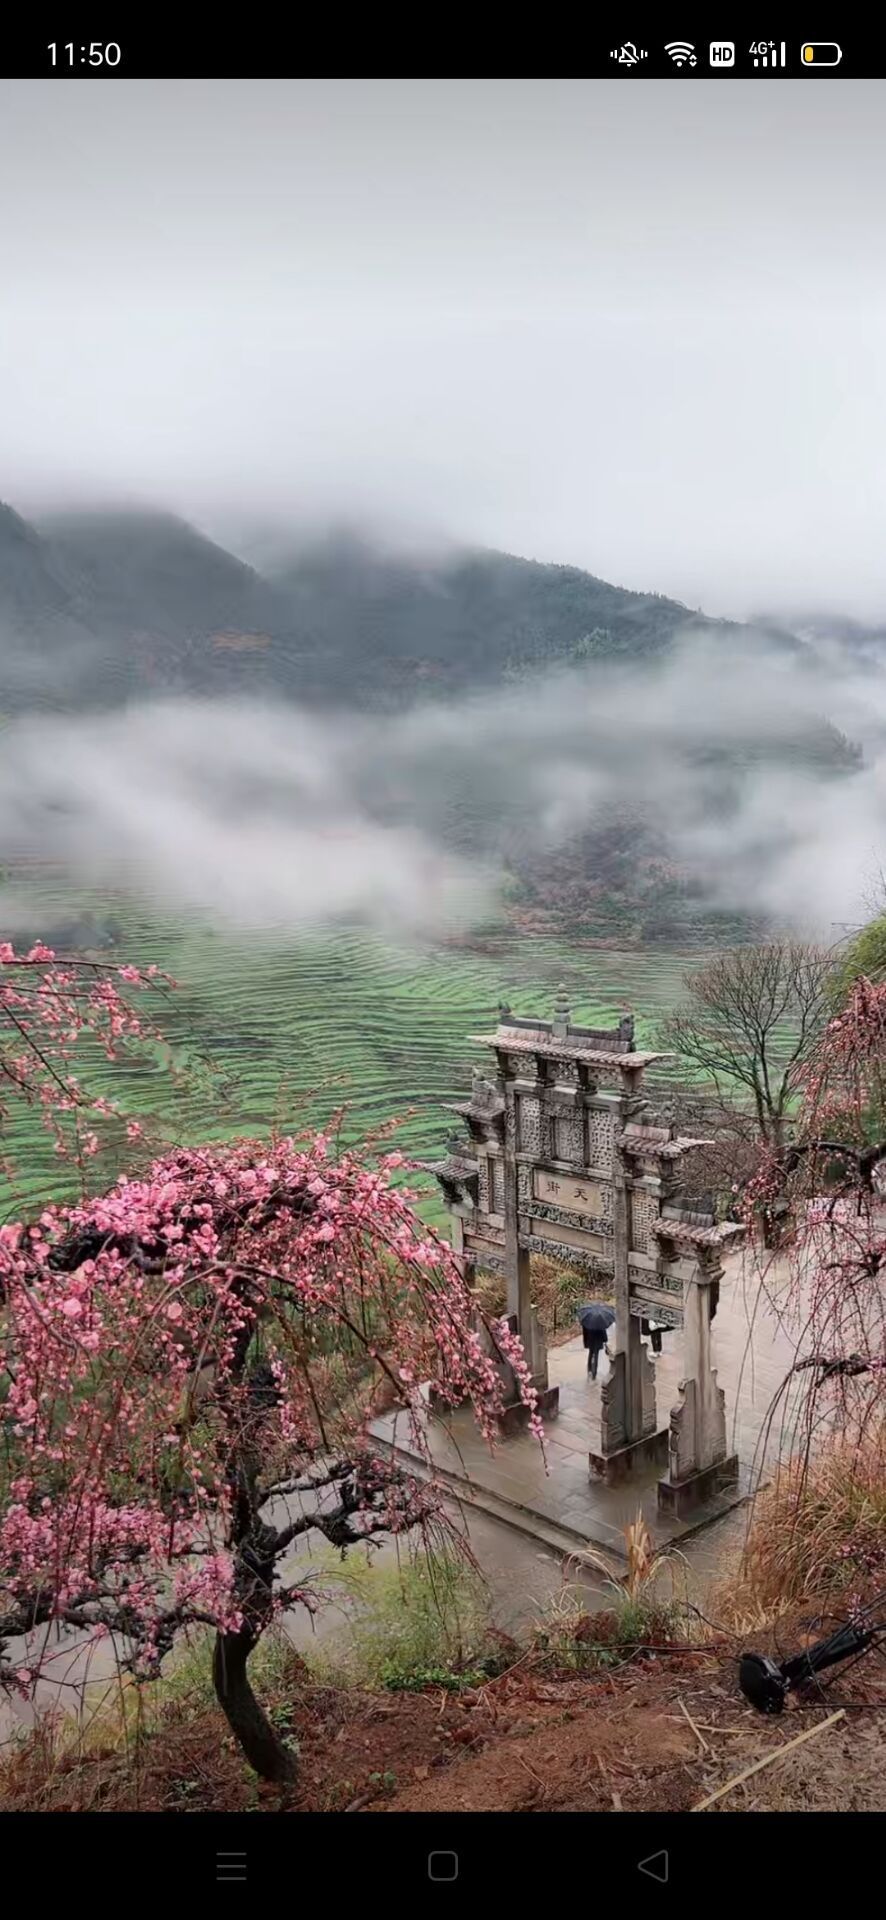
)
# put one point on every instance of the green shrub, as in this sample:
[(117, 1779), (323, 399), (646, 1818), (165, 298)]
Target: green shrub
[(864, 954), (422, 1624)]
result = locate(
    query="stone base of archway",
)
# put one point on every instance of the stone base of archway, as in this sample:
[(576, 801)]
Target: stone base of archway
[(683, 1498), (627, 1463)]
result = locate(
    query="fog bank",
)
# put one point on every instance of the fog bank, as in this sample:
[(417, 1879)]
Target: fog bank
[(765, 776)]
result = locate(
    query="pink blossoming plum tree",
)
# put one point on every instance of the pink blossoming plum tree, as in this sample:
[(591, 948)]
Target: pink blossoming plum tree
[(187, 1366)]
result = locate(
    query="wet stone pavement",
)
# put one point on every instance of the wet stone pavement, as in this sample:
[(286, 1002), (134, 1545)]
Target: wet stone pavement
[(550, 1493)]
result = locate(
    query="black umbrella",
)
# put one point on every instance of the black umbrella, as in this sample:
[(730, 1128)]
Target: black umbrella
[(596, 1318)]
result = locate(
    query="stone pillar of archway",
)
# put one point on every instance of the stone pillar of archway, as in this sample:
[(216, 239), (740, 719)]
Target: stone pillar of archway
[(700, 1464)]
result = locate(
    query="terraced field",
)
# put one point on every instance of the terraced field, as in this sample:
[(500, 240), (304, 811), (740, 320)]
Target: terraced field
[(297, 1028)]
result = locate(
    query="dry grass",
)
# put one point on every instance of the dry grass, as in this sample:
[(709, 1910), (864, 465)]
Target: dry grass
[(133, 1743), (649, 1604), (818, 1532), (639, 1586)]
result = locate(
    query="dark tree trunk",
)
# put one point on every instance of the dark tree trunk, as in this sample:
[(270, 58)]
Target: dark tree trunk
[(247, 1720), (768, 1229)]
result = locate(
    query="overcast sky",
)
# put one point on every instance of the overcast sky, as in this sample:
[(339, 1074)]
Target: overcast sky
[(637, 326)]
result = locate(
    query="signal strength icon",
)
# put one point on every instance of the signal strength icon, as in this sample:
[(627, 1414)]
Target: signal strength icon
[(682, 53), (768, 53)]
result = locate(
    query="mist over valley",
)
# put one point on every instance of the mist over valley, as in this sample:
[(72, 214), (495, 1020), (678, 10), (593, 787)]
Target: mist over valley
[(363, 736)]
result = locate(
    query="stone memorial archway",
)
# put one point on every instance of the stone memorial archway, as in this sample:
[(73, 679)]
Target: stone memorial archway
[(561, 1154)]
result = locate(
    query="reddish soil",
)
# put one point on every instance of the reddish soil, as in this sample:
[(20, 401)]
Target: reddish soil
[(530, 1740)]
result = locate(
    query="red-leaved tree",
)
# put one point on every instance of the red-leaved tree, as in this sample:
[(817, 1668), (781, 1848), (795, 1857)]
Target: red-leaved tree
[(188, 1364)]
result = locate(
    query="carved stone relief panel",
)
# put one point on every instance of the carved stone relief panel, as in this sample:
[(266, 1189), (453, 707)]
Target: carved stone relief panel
[(661, 1311), (663, 1281), (644, 1210), (486, 1239), (568, 1141), (530, 1132), (538, 1210), (589, 1263), (601, 1136), (486, 1262)]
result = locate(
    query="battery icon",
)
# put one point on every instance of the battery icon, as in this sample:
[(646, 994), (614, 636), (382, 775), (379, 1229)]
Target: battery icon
[(821, 53)]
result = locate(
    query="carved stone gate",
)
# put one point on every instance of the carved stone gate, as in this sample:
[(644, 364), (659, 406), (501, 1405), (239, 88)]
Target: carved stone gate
[(563, 1156)]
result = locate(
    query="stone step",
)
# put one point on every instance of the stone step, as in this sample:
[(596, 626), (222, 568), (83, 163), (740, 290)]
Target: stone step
[(563, 1540)]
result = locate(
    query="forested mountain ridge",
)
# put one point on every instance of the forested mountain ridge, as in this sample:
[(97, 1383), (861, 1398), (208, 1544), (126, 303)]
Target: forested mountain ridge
[(470, 619), (99, 607)]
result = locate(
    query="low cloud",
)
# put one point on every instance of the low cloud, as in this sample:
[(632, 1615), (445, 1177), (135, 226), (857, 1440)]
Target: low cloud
[(764, 775), (234, 811)]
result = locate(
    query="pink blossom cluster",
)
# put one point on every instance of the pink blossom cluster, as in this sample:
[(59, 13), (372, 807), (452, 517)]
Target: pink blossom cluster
[(48, 1006), (132, 1329)]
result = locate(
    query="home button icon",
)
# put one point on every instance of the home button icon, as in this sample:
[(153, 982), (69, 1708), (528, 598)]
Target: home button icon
[(442, 1866)]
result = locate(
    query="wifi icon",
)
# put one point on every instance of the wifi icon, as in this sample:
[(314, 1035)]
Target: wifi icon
[(682, 53)]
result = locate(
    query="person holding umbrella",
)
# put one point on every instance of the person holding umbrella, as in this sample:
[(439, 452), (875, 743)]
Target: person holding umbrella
[(595, 1320)]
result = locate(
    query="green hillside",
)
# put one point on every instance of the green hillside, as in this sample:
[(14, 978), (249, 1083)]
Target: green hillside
[(297, 1028)]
